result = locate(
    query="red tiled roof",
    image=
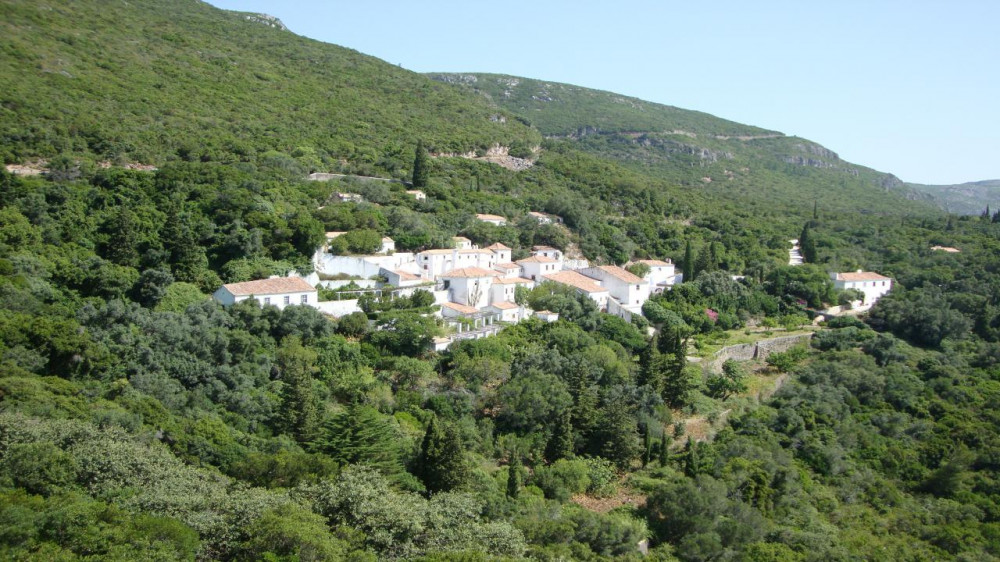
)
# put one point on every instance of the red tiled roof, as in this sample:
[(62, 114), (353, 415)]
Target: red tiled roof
[(497, 246), (861, 276), (577, 280), (620, 274), (511, 281), (504, 305), (654, 263), (404, 276), (485, 217), (468, 272), (537, 259), (462, 308), (276, 285)]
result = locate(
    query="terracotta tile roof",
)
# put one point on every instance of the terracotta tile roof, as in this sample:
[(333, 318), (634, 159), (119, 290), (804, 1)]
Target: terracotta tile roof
[(404, 276), (537, 214), (654, 263), (334, 234), (620, 274), (461, 238), (468, 272), (861, 276), (461, 308), (506, 266), (948, 249), (497, 246), (504, 305), (387, 239), (574, 279), (446, 252), (512, 281), (537, 259), (272, 286), (544, 249), (485, 217)]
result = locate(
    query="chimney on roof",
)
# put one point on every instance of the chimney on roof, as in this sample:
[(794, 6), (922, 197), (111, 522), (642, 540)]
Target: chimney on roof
[(861, 271)]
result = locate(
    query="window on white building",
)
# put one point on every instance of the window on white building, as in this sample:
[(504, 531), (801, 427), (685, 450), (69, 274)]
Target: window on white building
[(267, 300), (288, 299), (305, 299)]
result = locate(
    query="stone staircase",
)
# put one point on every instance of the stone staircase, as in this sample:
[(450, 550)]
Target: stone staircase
[(795, 254)]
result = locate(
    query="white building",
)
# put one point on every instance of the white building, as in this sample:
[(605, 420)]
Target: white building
[(399, 278), (510, 270), (629, 290), (455, 310), (470, 286), (871, 284), (582, 284), (277, 291), (537, 266), (417, 194), (504, 288), (492, 219), (462, 243), (388, 246), (661, 274), (501, 251), (548, 252), (546, 316), (508, 311), (432, 263)]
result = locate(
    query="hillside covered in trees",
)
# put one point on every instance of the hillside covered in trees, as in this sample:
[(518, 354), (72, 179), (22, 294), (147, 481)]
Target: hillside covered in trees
[(141, 420)]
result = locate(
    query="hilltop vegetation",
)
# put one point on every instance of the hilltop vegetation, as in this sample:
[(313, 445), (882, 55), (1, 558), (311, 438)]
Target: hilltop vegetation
[(155, 82), (965, 198), (141, 420), (694, 151)]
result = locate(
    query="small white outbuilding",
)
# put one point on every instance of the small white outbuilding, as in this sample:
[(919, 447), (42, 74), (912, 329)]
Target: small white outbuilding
[(277, 291)]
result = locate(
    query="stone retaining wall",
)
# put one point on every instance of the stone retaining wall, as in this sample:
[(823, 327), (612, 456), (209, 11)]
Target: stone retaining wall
[(750, 351)]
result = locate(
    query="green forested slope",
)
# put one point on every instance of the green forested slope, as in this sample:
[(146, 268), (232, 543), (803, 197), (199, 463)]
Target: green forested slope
[(694, 151), (153, 81), (965, 198), (140, 420)]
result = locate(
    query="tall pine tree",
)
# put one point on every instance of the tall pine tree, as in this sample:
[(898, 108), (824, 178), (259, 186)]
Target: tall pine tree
[(807, 245), (688, 266), (420, 171), (441, 464), (514, 477), (299, 407), (560, 445)]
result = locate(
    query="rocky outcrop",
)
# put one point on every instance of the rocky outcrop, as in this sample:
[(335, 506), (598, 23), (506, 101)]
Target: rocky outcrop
[(265, 19), (496, 154)]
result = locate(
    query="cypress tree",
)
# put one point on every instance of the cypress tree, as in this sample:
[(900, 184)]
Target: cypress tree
[(665, 450), (807, 245), (441, 463), (688, 266), (650, 371), (647, 446), (298, 402), (676, 382), (514, 477), (692, 461), (420, 171), (560, 445)]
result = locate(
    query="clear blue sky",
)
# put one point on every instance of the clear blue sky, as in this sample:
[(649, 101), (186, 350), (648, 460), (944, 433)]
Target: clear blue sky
[(907, 87)]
